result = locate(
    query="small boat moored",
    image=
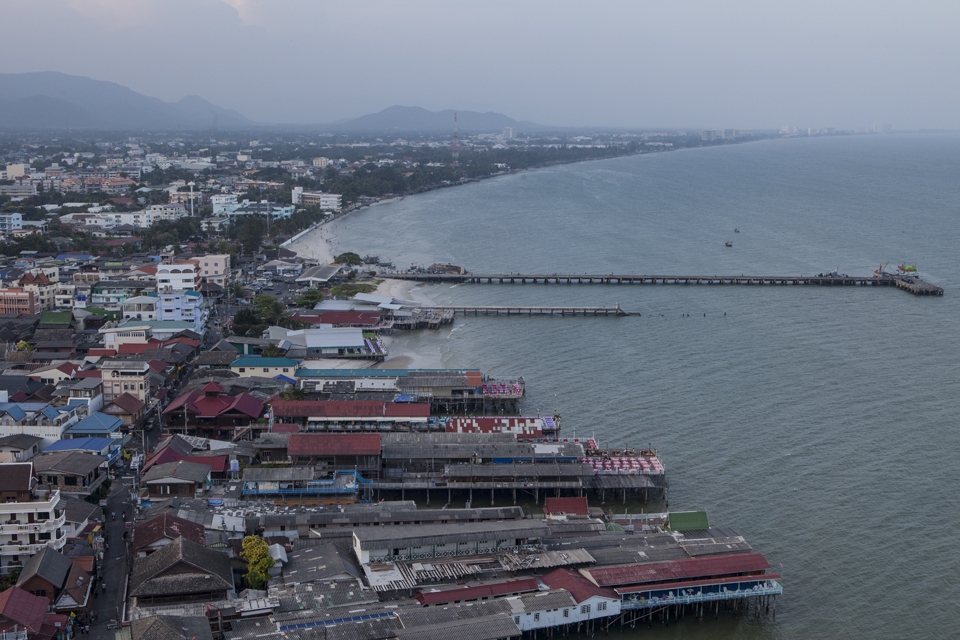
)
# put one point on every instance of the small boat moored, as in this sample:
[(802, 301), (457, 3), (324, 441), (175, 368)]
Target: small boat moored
[(728, 244)]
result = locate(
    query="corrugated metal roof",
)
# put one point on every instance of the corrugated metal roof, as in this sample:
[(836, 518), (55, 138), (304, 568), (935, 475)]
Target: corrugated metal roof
[(333, 444), (687, 569), (477, 592), (348, 409)]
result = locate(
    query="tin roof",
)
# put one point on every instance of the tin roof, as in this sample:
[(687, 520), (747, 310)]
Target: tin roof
[(477, 592), (348, 409), (684, 569), (333, 444)]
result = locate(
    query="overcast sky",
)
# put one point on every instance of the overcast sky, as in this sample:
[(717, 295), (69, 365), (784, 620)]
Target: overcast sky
[(632, 63)]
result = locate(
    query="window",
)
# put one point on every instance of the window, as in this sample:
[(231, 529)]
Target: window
[(601, 606), (265, 370), (585, 608), (516, 620), (566, 613), (536, 617), (242, 370), (285, 369)]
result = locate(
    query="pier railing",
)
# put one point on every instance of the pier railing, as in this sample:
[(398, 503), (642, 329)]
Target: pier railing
[(907, 283)]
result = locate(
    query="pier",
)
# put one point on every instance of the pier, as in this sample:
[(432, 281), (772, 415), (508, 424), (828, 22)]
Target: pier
[(912, 285), (534, 311)]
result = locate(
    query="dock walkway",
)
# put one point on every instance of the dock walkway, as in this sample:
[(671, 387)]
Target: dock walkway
[(535, 311), (913, 285)]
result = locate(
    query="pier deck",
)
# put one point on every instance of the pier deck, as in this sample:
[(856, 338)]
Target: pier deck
[(535, 311), (912, 285)]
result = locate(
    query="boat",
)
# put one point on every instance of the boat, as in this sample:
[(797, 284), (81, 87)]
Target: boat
[(728, 244), (737, 230)]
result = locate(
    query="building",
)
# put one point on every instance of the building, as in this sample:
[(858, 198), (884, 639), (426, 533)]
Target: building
[(179, 478), (168, 627), (44, 573), (178, 276), (215, 268), (140, 308), (19, 447), (126, 376), (182, 571), (71, 472), (37, 419), (319, 276), (96, 425), (221, 201), (127, 408), (183, 306), (18, 301), (23, 616), (163, 529), (321, 162), (345, 451), (33, 518), (133, 332), (11, 222), (44, 289), (264, 367), (325, 201), (262, 208), (212, 413)]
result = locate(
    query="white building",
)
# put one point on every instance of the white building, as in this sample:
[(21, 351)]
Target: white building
[(145, 218), (221, 201), (321, 162), (126, 376), (10, 222), (140, 308), (32, 519), (178, 276), (262, 208), (183, 306), (326, 201), (113, 336)]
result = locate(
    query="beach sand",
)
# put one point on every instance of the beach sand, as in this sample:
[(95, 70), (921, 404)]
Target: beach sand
[(318, 245)]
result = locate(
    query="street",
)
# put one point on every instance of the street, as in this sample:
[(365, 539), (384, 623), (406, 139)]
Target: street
[(108, 605)]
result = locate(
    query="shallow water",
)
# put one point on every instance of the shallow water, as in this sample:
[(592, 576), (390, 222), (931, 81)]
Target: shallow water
[(819, 423)]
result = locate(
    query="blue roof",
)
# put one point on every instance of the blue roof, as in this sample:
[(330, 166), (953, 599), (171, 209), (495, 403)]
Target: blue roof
[(14, 412), (84, 444), (285, 379), (97, 423), (368, 373), (51, 412)]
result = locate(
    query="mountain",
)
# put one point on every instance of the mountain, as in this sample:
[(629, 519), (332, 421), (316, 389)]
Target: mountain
[(399, 119), (51, 100)]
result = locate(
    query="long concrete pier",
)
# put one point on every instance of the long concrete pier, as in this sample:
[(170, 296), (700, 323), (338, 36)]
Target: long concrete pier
[(912, 285), (534, 311)]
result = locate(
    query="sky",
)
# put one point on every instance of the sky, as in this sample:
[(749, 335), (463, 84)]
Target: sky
[(638, 63)]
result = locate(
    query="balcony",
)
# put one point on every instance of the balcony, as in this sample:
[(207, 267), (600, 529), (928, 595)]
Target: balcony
[(39, 505), (31, 549), (34, 527)]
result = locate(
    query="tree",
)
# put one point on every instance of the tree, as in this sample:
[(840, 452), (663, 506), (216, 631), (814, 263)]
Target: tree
[(271, 351), (309, 298), (349, 258), (292, 394), (24, 346), (237, 290), (257, 554), (270, 310)]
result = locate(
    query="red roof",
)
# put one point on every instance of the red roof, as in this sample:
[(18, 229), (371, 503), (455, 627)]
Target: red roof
[(579, 587), (23, 608), (130, 404), (102, 352), (217, 464), (478, 592), (157, 365), (190, 342), (333, 444), (349, 409), (570, 506), (368, 318), (696, 583), (211, 406), (133, 348), (92, 373), (685, 569), (285, 427), (166, 526)]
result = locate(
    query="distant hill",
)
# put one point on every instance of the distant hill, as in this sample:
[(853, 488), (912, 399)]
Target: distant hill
[(51, 100), (399, 119)]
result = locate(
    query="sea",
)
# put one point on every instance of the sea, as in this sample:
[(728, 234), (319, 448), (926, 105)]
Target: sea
[(820, 423)]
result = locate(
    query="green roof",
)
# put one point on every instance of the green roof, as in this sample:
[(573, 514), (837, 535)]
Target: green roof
[(56, 317), (687, 520)]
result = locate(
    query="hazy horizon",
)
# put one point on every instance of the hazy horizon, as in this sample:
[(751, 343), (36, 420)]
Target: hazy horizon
[(621, 64)]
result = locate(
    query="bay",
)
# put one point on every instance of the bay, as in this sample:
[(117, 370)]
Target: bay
[(820, 423)]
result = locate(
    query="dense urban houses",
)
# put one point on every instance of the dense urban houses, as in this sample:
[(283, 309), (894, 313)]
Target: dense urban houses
[(31, 515)]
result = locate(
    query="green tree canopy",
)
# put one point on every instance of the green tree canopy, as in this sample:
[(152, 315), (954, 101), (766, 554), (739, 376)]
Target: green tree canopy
[(309, 298), (257, 554), (349, 258)]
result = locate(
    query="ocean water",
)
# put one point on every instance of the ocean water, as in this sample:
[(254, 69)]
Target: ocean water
[(822, 424)]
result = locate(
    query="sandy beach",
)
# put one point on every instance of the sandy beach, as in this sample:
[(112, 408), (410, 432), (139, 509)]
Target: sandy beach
[(318, 245)]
